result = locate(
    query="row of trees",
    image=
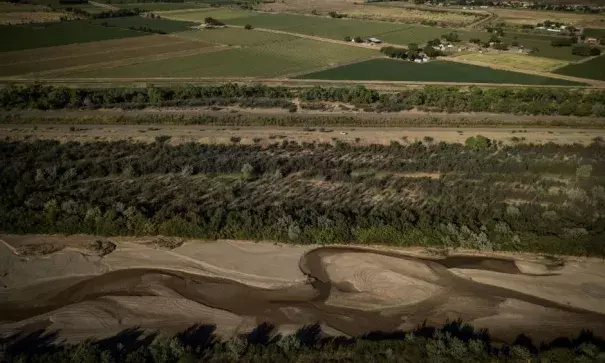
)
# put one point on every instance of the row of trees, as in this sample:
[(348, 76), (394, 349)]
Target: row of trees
[(533, 101), (454, 342), (312, 193)]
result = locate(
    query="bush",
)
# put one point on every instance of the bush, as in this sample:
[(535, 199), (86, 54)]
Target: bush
[(247, 26), (347, 39), (478, 142)]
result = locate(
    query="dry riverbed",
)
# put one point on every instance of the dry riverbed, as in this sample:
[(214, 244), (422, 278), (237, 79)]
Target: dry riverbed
[(86, 286)]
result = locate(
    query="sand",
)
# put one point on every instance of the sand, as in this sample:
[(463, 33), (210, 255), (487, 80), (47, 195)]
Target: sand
[(236, 285)]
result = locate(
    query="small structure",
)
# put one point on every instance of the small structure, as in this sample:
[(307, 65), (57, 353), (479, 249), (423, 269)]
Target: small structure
[(591, 41), (374, 40)]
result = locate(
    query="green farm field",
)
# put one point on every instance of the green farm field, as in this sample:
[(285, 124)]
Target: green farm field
[(160, 6), (267, 60), (236, 36), (308, 25), (593, 69), (594, 32), (543, 46), (435, 71), (93, 55), (165, 25), (31, 36)]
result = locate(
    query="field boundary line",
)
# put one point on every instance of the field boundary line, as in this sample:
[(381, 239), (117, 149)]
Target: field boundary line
[(125, 62), (591, 82)]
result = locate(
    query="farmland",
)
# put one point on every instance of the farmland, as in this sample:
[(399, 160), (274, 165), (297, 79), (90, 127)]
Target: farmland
[(160, 6), (265, 60), (91, 54), (437, 71), (412, 15), (542, 45), (594, 32), (593, 69), (532, 17), (164, 25), (309, 25), (512, 60), (62, 33), (235, 36)]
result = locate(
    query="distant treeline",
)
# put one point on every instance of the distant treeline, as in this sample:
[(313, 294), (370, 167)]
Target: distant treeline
[(528, 101), (484, 195), (454, 342)]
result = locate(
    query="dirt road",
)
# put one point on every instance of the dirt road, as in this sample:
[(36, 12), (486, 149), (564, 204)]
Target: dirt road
[(266, 134)]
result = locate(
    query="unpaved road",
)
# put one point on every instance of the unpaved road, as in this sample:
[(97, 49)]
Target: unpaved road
[(269, 134), (237, 285)]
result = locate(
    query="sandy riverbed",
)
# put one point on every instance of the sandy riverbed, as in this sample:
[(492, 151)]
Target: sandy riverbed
[(82, 292)]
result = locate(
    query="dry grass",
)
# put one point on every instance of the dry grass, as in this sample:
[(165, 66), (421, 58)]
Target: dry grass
[(21, 17), (520, 17), (514, 60), (411, 15)]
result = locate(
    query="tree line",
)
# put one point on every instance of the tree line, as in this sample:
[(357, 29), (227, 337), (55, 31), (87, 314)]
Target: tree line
[(453, 342), (485, 195), (528, 101)]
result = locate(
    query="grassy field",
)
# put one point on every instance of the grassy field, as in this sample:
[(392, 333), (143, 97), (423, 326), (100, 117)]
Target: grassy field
[(61, 33), (161, 6), (309, 25), (165, 25), (532, 17), (75, 55), (421, 34), (594, 32), (593, 69), (235, 36), (543, 45), (267, 60), (519, 61), (6, 7), (435, 71)]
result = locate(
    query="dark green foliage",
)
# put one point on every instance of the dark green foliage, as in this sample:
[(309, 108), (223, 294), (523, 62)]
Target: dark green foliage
[(585, 50), (563, 42), (393, 52), (454, 342), (452, 37), (363, 194), (248, 27), (478, 142), (534, 101), (211, 21)]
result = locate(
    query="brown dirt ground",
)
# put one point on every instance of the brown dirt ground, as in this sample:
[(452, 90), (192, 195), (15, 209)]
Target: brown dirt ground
[(366, 135), (236, 284)]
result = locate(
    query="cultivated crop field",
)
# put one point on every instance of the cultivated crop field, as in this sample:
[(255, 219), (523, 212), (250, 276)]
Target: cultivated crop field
[(435, 71), (593, 69), (160, 6), (387, 12), (309, 25), (164, 25), (533, 17), (543, 46), (421, 34), (31, 36), (512, 60), (266, 60), (593, 32), (92, 54), (235, 36)]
